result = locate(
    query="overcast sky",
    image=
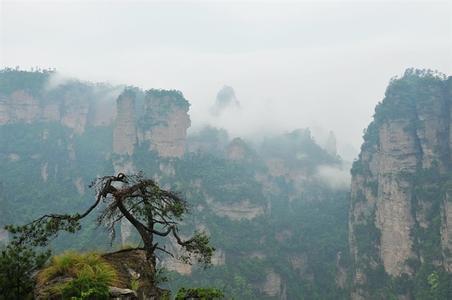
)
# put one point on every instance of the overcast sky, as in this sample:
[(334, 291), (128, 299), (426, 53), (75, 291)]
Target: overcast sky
[(295, 64)]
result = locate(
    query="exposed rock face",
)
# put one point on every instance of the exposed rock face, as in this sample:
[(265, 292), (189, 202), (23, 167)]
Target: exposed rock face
[(132, 265), (125, 133), (243, 210), (273, 285), (396, 186), (72, 105), (18, 107), (161, 121), (446, 231), (165, 122), (22, 107), (75, 110), (122, 294)]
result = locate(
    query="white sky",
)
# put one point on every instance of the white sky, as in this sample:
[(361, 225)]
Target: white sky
[(294, 64)]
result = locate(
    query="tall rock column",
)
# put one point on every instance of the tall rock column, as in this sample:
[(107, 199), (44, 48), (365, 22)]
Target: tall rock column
[(165, 122), (398, 202), (125, 133)]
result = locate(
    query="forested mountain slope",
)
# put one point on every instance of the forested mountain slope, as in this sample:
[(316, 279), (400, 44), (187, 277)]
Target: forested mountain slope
[(279, 225)]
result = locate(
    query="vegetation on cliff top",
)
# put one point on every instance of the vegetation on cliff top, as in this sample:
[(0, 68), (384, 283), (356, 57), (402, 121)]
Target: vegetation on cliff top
[(83, 276), (174, 97), (402, 97), (14, 79)]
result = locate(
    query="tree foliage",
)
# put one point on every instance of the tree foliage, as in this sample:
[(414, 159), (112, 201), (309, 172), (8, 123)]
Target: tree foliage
[(17, 264), (151, 210)]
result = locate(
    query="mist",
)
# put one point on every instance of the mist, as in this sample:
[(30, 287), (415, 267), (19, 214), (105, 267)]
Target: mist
[(334, 177), (291, 65), (227, 135)]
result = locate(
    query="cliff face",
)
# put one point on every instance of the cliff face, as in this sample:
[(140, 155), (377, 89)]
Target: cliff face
[(399, 222), (72, 104), (19, 107), (125, 133), (165, 122), (162, 120)]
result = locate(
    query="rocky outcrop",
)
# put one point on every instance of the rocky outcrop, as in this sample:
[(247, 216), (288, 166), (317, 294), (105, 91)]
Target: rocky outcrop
[(398, 153), (122, 294), (135, 278), (398, 180), (75, 109), (131, 266), (125, 133), (165, 122), (20, 106), (161, 120), (161, 123), (74, 105), (242, 210)]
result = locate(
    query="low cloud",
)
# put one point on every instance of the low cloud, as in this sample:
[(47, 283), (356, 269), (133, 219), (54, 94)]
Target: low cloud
[(57, 79), (335, 177)]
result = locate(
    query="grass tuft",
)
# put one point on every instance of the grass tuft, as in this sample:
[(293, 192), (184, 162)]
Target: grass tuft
[(89, 273)]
